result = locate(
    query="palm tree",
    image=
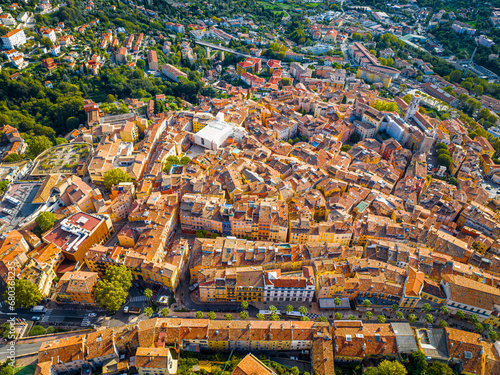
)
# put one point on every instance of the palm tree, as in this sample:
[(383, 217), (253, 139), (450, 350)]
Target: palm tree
[(322, 319), (211, 315), (304, 318), (243, 315), (444, 310), (351, 317), (289, 308), (273, 309), (412, 318), (473, 318), (381, 319), (478, 327), (275, 317), (460, 314), (165, 312), (369, 315), (148, 293), (367, 303), (427, 307), (302, 310), (199, 314), (228, 317), (443, 324), (429, 318), (395, 307), (399, 315), (244, 305), (259, 317), (338, 316), (337, 301), (148, 311)]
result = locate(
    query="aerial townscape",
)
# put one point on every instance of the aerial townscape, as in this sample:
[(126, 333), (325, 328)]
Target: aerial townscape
[(249, 187)]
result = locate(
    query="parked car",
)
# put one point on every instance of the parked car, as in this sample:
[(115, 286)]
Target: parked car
[(35, 318), (92, 315)]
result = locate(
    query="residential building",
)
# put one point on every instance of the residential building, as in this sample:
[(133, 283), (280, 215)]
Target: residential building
[(78, 233), (77, 287), (13, 39), (297, 287), (152, 60)]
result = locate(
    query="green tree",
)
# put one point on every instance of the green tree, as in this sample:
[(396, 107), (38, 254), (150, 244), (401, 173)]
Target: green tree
[(444, 310), (304, 318), (417, 363), (37, 145), (3, 186), (478, 327), (148, 293), (12, 158), (493, 335), (439, 368), (478, 90), (460, 314), (455, 76), (412, 318), (351, 317), (45, 220), (338, 316), (273, 308), (337, 301), (211, 315), (148, 311), (111, 292), (244, 305), (345, 148), (429, 318), (473, 318), (399, 315), (302, 310), (259, 316), (443, 324), (289, 308), (427, 307), (37, 331), (395, 307), (294, 371), (381, 319), (201, 233), (115, 176), (444, 160), (391, 368), (369, 315), (165, 312), (243, 315), (323, 319), (367, 303), (199, 314), (50, 330), (228, 317), (26, 294), (275, 317)]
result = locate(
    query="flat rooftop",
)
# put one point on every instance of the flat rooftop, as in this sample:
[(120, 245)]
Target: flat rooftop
[(72, 231)]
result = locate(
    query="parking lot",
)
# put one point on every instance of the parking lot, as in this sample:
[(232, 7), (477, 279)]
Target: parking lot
[(12, 214)]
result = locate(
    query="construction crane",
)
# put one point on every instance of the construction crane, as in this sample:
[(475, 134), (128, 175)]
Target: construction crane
[(471, 61)]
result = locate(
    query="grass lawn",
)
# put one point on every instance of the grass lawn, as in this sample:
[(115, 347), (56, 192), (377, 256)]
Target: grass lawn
[(26, 370)]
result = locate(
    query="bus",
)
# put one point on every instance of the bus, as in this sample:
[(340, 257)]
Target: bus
[(293, 314), (269, 312), (12, 200)]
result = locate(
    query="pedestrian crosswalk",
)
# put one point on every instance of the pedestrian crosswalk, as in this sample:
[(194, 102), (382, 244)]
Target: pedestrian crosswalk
[(85, 321), (46, 316), (138, 298)]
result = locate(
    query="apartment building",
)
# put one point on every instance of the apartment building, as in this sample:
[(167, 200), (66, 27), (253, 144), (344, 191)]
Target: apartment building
[(13, 39), (77, 287), (292, 287), (78, 233)]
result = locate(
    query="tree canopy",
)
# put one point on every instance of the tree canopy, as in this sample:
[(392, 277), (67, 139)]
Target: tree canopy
[(111, 292), (115, 176), (26, 294)]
